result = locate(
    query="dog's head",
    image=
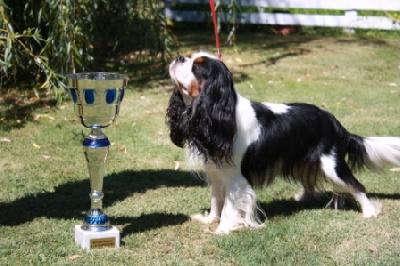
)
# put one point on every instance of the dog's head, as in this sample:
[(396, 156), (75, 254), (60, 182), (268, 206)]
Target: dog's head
[(193, 75), (201, 112)]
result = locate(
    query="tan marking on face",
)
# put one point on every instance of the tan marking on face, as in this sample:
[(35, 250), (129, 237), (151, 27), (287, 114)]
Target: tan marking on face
[(199, 60), (194, 90)]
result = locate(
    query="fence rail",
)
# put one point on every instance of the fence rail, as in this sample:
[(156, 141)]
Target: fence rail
[(265, 15)]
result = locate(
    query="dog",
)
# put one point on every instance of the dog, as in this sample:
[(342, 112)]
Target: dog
[(242, 144)]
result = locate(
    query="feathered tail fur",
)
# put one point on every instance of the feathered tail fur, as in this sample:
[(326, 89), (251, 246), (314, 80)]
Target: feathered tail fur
[(381, 151)]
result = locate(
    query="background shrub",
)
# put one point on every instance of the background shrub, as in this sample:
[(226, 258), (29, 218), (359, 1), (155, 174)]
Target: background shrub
[(42, 40)]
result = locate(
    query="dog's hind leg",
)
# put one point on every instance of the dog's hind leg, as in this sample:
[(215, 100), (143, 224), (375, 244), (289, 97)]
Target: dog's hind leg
[(337, 201), (338, 172), (308, 194)]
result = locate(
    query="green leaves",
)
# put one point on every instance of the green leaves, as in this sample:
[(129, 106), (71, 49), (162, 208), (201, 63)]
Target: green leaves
[(41, 41)]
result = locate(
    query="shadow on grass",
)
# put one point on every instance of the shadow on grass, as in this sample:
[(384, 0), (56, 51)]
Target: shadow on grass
[(290, 207), (147, 222), (70, 200), (15, 113), (364, 41)]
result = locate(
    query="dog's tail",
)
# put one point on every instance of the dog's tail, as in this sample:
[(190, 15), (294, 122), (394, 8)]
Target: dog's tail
[(373, 152)]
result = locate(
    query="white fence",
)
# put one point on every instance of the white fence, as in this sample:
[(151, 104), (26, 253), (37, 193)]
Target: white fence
[(350, 19)]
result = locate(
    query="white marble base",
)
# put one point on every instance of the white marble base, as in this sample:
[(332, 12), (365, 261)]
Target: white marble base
[(92, 240)]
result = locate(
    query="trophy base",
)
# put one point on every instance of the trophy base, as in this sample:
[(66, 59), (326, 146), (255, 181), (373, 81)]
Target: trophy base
[(89, 240)]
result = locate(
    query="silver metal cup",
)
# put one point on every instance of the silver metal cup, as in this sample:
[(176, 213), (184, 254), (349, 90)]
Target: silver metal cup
[(97, 97)]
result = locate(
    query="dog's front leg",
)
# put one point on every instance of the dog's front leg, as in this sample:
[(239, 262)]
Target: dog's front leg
[(240, 207), (217, 202), (229, 218)]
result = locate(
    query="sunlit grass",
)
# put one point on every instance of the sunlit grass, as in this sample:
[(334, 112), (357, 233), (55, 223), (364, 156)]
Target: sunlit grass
[(44, 186)]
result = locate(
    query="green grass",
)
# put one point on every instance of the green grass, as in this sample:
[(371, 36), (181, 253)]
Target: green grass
[(44, 186)]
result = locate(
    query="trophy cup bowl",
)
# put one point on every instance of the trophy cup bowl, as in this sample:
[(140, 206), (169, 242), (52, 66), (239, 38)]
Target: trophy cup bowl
[(97, 97)]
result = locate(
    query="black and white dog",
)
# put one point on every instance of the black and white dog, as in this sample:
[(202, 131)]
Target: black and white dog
[(242, 144)]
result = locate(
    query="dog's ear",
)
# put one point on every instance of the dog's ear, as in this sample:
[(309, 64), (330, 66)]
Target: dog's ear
[(177, 119), (213, 121)]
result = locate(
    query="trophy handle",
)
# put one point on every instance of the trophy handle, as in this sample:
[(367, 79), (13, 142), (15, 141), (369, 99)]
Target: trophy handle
[(95, 147)]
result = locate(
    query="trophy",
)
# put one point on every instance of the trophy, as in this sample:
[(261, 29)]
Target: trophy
[(97, 97)]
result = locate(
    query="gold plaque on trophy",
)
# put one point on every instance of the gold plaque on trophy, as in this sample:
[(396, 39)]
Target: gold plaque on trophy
[(102, 243)]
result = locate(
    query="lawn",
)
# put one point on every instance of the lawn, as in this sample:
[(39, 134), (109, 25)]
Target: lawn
[(150, 193)]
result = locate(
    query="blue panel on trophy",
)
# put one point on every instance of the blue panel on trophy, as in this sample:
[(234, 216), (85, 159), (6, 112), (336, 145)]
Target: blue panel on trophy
[(92, 220), (121, 95), (74, 97), (96, 143), (89, 95), (111, 94)]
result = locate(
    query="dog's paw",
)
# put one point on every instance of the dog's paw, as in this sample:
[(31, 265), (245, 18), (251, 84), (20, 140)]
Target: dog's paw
[(374, 210), (204, 219), (225, 230), (222, 231)]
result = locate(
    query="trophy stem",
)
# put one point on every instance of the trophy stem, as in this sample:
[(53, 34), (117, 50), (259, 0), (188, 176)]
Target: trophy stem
[(95, 147), (97, 97)]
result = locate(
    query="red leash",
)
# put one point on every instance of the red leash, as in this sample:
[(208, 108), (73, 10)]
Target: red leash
[(214, 18)]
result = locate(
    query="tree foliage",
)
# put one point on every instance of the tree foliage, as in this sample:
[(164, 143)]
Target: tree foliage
[(43, 40)]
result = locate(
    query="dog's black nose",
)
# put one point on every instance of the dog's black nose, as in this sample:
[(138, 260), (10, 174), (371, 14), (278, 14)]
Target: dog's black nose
[(180, 59)]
